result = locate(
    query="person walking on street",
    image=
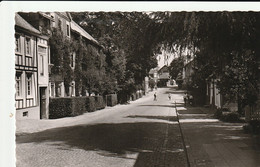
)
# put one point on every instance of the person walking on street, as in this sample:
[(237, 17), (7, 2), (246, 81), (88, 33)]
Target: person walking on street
[(155, 96), (191, 100), (185, 98), (169, 96)]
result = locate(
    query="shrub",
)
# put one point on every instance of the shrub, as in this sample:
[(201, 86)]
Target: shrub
[(111, 99), (252, 127), (90, 104), (218, 114), (137, 95), (122, 97), (255, 124), (66, 107), (79, 106), (99, 102), (227, 116), (133, 96), (231, 117), (247, 128)]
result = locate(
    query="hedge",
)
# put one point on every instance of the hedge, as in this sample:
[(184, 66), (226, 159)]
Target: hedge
[(137, 95), (133, 96), (111, 99), (100, 103), (90, 103), (72, 106), (122, 98), (66, 107)]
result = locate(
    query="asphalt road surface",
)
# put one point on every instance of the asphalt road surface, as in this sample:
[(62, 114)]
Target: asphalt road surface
[(143, 134)]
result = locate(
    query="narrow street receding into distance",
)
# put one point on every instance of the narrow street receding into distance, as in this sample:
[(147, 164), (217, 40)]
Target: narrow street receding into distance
[(144, 133)]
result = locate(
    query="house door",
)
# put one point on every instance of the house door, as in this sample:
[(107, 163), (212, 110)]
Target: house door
[(43, 102)]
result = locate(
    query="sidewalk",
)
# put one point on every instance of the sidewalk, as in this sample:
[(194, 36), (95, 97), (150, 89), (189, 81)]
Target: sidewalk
[(32, 126), (211, 142)]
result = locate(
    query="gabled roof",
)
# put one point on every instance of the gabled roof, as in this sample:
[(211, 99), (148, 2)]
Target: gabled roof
[(163, 68), (77, 28), (19, 21), (47, 16), (65, 15)]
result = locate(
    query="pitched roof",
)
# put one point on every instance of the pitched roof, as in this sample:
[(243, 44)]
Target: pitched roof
[(163, 68), (19, 21), (76, 27), (65, 15)]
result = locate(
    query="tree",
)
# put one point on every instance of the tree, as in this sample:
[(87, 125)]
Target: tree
[(226, 49), (60, 57), (176, 67), (152, 83), (216, 39), (128, 41)]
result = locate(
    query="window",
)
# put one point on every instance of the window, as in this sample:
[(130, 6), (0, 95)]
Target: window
[(68, 30), (42, 49), (52, 94), (72, 89), (29, 84), (18, 59), (17, 44), (18, 84), (28, 46), (28, 61), (59, 23), (25, 114), (41, 65)]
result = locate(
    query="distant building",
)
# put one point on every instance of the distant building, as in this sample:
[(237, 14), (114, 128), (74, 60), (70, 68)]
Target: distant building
[(153, 74), (163, 76), (31, 65)]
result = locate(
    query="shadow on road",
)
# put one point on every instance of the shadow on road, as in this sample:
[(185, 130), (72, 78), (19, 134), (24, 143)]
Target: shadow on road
[(151, 105), (209, 138), (145, 139), (167, 118), (174, 91)]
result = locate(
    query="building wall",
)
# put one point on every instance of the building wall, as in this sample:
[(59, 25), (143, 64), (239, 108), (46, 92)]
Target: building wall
[(26, 97), (63, 21), (28, 113), (43, 62), (43, 76)]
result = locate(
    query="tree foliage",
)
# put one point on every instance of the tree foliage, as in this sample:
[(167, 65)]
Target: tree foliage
[(226, 49), (176, 67), (128, 41), (225, 46)]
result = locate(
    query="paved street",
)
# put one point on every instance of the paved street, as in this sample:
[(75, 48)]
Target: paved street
[(144, 133)]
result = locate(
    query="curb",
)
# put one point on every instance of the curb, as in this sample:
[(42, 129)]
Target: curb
[(182, 136)]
